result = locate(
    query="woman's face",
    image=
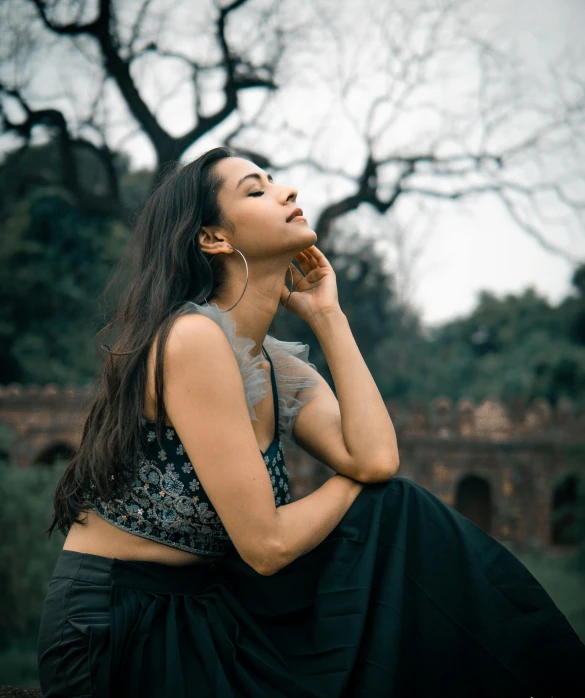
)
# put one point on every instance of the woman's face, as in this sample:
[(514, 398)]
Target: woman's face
[(258, 210)]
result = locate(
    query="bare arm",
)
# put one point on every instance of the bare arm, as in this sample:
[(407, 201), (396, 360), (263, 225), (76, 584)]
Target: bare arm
[(303, 524), (353, 432), (205, 401)]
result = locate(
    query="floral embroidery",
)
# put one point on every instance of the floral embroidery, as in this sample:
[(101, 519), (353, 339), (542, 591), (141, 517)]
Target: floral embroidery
[(161, 503)]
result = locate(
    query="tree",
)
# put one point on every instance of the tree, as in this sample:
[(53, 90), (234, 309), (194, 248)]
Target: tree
[(104, 44), (56, 260), (409, 101), (515, 348)]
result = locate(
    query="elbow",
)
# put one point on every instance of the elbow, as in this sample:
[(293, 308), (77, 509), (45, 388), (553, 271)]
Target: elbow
[(382, 472), (267, 571), (268, 560)]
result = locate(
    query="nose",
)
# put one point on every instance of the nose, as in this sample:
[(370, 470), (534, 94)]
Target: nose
[(290, 193)]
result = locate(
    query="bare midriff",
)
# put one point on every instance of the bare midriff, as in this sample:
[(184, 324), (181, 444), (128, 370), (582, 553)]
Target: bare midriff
[(99, 537)]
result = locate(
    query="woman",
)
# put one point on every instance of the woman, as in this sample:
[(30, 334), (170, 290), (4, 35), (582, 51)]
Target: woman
[(187, 571)]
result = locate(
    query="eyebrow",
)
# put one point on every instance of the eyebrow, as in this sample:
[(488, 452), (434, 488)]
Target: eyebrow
[(254, 175)]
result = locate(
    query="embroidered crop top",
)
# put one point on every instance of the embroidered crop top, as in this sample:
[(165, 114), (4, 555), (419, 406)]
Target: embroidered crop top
[(166, 502)]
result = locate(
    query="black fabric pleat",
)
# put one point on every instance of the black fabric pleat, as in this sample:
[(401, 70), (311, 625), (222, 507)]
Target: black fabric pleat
[(406, 597)]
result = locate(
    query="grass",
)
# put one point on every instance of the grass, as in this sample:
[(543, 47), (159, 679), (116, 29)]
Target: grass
[(564, 584), (18, 664)]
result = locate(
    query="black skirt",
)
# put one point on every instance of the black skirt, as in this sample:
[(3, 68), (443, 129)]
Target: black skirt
[(405, 597)]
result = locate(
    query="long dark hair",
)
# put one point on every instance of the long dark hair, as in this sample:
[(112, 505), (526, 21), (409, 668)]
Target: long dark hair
[(168, 268)]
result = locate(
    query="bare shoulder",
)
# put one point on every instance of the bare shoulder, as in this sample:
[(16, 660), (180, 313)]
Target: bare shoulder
[(186, 328), (206, 402), (196, 341), (190, 327), (188, 334)]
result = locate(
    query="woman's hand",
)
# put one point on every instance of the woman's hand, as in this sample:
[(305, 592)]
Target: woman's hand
[(315, 289)]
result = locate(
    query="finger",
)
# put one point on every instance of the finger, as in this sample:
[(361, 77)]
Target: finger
[(309, 261), (317, 256), (303, 260)]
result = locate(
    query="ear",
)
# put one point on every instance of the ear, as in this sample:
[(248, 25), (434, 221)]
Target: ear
[(213, 239)]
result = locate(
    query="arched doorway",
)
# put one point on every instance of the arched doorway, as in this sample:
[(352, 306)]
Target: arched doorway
[(473, 499), (564, 511)]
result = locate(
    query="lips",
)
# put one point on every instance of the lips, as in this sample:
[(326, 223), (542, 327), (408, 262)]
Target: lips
[(296, 212)]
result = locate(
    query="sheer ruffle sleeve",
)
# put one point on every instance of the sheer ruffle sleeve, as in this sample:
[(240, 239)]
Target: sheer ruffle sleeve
[(296, 377), (256, 379)]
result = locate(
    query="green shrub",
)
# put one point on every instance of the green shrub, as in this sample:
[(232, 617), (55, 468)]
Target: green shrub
[(28, 554), (18, 664)]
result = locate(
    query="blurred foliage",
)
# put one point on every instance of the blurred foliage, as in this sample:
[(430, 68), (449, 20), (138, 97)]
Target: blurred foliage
[(388, 335), (134, 188), (512, 348), (26, 512), (29, 167), (55, 262), (18, 665), (24, 579), (56, 259)]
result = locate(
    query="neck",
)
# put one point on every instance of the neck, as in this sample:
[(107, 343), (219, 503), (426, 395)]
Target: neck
[(251, 322), (256, 309)]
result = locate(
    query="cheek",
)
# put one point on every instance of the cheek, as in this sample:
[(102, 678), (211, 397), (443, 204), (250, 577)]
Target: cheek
[(259, 219)]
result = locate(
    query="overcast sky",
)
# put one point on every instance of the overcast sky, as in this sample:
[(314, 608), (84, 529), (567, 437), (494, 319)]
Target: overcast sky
[(474, 245), (484, 250), (467, 246)]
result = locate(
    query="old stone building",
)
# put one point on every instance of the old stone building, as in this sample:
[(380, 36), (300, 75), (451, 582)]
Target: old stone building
[(512, 471)]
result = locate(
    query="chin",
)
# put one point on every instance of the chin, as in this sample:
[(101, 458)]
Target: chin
[(308, 238)]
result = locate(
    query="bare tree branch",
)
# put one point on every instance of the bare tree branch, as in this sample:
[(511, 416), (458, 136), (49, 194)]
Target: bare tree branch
[(484, 142), (240, 74), (54, 119)]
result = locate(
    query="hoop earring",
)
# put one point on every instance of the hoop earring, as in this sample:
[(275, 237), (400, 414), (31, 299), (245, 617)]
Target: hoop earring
[(244, 291), (246, 285), (292, 283)]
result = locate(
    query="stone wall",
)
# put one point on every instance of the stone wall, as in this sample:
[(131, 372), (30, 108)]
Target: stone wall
[(497, 464)]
